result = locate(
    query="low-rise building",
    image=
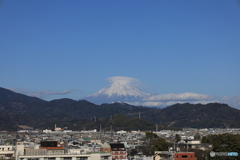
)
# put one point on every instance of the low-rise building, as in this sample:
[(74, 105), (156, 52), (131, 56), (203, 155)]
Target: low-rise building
[(50, 150), (172, 155), (6, 152), (118, 151)]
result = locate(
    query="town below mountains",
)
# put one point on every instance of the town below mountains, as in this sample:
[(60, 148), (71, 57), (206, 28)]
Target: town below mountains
[(17, 110)]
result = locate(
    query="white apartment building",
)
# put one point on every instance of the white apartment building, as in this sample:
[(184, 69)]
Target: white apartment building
[(6, 151), (55, 153)]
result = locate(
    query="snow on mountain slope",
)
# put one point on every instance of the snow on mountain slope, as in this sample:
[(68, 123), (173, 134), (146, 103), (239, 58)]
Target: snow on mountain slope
[(117, 92)]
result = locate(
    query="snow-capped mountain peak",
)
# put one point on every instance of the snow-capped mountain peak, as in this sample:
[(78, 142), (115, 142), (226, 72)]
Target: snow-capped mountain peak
[(117, 91)]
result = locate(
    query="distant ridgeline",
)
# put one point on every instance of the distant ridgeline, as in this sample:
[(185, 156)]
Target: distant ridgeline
[(18, 109)]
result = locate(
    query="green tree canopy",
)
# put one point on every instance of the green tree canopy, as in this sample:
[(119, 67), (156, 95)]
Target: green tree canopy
[(177, 138), (150, 135), (160, 145), (224, 143), (197, 136)]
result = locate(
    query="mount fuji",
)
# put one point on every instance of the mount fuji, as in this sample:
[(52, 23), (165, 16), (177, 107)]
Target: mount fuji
[(117, 92)]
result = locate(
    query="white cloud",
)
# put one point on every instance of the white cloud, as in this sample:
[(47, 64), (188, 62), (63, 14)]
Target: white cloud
[(179, 97), (228, 98), (124, 80), (169, 103), (169, 99), (165, 100), (233, 101), (39, 94)]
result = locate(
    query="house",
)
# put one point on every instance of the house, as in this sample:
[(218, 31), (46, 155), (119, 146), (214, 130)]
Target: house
[(6, 152), (118, 151), (106, 148), (172, 155), (52, 147), (184, 156)]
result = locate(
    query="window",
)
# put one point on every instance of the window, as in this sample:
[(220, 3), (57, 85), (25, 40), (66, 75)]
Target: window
[(66, 158), (82, 158), (104, 157), (184, 156)]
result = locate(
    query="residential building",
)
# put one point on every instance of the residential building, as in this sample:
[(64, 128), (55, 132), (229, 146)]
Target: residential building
[(118, 151), (172, 155), (106, 148), (50, 150), (6, 152)]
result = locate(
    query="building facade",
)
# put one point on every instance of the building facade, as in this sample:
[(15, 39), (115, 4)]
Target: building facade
[(49, 151), (118, 151)]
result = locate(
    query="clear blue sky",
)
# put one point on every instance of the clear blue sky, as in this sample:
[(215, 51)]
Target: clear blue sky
[(170, 46)]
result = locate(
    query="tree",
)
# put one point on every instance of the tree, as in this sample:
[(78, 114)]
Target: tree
[(154, 143), (223, 143), (197, 136), (133, 152), (150, 135), (160, 145), (177, 138)]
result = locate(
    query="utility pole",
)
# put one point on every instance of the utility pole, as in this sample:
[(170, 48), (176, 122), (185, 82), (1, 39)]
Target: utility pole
[(110, 129)]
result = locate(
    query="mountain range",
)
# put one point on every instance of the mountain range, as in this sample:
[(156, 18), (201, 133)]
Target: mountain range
[(18, 109)]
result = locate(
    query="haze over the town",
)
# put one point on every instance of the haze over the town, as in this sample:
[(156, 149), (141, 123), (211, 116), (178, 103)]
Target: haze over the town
[(177, 51)]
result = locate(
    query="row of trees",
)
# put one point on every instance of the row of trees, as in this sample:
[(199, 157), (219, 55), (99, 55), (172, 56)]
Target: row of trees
[(224, 143)]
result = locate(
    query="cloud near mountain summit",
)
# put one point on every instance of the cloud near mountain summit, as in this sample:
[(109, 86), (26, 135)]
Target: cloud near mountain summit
[(123, 80)]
